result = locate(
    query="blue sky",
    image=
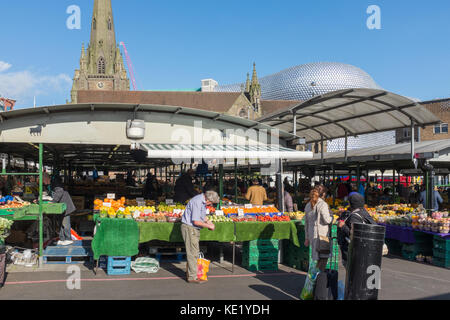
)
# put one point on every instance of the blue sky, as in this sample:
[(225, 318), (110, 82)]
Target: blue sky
[(174, 44)]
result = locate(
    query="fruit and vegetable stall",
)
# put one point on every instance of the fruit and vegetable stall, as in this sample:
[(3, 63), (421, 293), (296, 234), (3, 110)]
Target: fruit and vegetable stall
[(412, 233), (121, 228)]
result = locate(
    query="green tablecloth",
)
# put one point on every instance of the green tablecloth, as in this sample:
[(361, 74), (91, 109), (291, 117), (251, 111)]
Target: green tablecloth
[(248, 231), (121, 237), (171, 232), (116, 238)]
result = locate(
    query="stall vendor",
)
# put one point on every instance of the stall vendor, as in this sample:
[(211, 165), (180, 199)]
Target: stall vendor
[(194, 219), (256, 194)]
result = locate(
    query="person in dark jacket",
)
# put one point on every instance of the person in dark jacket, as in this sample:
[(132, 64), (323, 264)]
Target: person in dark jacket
[(150, 189), (356, 214), (184, 189), (59, 195)]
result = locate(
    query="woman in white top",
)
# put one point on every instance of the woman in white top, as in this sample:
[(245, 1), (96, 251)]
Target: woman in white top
[(317, 223)]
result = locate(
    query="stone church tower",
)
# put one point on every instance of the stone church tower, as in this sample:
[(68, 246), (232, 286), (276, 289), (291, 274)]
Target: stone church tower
[(253, 90), (101, 65)]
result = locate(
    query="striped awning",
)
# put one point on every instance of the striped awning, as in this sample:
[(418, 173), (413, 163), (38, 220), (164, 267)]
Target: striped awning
[(181, 151)]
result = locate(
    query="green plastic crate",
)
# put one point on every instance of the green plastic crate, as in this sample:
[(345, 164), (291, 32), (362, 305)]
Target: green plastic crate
[(257, 255), (260, 244), (440, 262), (442, 244), (261, 266), (443, 254)]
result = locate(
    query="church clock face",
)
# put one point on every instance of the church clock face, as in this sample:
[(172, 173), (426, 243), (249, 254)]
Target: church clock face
[(100, 85)]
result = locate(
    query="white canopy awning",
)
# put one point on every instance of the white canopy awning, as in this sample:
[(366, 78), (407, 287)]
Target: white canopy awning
[(256, 152), (348, 113)]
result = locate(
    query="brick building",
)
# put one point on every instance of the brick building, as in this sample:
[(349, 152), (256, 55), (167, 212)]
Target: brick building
[(441, 108)]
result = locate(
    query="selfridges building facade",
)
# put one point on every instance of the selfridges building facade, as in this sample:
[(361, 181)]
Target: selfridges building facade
[(309, 80)]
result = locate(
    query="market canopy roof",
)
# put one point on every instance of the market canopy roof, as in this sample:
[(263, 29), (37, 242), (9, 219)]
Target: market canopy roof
[(437, 149), (350, 112)]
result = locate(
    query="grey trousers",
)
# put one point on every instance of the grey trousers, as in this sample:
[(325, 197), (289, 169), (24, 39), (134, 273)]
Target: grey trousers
[(65, 231), (191, 237)]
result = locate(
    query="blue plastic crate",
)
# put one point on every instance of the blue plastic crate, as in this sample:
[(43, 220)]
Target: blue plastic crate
[(119, 266)]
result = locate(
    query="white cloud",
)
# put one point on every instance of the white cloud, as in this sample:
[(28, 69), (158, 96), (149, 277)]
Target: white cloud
[(23, 86), (4, 66)]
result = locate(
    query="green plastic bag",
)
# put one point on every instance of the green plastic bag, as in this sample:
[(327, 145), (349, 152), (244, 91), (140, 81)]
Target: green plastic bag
[(310, 282)]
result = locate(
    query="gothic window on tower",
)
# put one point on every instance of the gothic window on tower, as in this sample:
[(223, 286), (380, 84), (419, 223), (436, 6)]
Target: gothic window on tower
[(94, 24), (109, 24), (101, 66)]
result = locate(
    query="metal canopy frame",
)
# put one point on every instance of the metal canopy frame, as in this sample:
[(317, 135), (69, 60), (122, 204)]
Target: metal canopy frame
[(332, 116)]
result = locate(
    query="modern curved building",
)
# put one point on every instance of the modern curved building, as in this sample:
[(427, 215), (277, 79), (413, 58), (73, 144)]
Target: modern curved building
[(306, 81)]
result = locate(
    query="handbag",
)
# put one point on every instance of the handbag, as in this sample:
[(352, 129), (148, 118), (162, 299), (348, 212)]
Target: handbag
[(323, 241)]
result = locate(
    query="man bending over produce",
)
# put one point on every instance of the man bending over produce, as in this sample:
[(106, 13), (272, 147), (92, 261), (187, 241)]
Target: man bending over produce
[(194, 219)]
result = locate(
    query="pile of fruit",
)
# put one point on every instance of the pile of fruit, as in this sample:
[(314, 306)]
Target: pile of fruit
[(134, 203), (296, 215), (254, 210), (10, 202), (109, 203), (152, 217), (215, 219), (165, 208)]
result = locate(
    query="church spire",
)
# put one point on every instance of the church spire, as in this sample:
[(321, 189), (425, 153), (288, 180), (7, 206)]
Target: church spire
[(103, 38), (255, 90), (101, 64), (247, 83)]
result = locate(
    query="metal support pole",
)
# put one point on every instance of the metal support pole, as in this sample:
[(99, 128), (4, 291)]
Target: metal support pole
[(413, 140), (321, 149), (235, 181), (221, 183), (358, 177), (346, 145), (279, 186), (334, 186), (41, 215), (295, 124)]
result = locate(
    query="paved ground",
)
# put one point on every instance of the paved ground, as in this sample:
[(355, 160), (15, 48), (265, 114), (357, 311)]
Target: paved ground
[(401, 280)]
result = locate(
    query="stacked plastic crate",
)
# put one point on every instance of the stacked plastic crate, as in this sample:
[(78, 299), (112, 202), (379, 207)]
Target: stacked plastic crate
[(441, 252), (260, 255)]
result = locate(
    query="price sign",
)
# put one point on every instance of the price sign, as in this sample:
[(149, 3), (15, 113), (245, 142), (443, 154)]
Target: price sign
[(169, 201), (267, 214), (111, 196), (107, 204), (140, 199), (121, 209), (141, 203), (207, 212), (219, 213), (248, 206), (147, 211), (177, 211), (240, 213)]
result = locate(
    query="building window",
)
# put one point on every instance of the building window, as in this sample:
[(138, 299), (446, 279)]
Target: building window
[(109, 24), (407, 133), (94, 24), (441, 128), (101, 66)]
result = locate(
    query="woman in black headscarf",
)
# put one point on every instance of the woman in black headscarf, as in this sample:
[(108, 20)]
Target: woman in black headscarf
[(356, 214)]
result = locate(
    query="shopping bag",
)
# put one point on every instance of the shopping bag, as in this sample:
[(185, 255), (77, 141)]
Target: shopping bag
[(145, 264), (308, 288), (202, 267)]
